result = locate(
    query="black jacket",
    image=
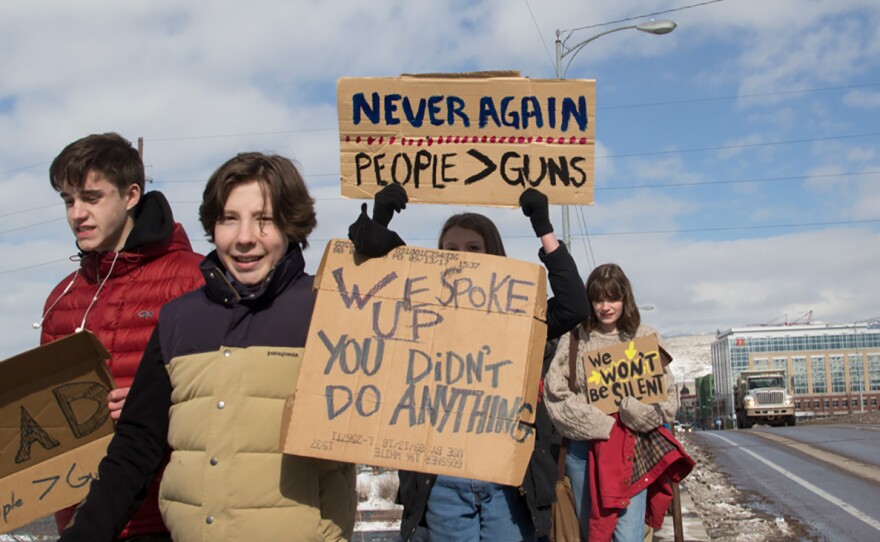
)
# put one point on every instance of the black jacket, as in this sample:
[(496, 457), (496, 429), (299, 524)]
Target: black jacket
[(565, 310)]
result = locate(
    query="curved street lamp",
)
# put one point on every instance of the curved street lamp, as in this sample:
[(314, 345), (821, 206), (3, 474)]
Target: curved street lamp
[(563, 50)]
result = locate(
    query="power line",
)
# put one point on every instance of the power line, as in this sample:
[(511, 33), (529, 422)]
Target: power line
[(598, 108), (735, 228), (698, 184), (737, 97), (645, 16), (738, 181), (682, 230), (741, 146), (319, 241), (205, 179), (28, 210), (540, 35), (242, 134), (588, 248), (22, 168), (28, 226), (32, 266)]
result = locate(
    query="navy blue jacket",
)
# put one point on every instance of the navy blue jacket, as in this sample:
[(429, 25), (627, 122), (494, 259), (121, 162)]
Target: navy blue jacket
[(277, 313)]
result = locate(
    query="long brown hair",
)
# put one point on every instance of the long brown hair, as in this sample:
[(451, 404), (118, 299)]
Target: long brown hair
[(479, 224), (608, 282)]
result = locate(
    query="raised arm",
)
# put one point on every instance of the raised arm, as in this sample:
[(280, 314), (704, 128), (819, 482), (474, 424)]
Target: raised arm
[(569, 306)]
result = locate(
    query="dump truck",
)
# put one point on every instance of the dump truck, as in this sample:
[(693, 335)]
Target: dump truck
[(763, 396)]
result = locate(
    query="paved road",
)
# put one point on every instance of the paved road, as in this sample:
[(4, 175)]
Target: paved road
[(826, 476)]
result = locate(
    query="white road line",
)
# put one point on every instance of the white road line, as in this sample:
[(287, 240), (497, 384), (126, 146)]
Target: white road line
[(846, 507)]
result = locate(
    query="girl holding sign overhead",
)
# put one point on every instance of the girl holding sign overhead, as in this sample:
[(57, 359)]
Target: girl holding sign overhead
[(458, 509), (619, 465), (214, 379)]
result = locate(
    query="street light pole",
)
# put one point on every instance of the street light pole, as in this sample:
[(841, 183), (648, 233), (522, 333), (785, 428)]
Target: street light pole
[(562, 51)]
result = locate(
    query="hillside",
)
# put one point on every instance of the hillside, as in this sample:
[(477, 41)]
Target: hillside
[(691, 355)]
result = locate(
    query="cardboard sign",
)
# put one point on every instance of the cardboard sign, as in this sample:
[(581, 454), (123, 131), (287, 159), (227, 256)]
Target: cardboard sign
[(633, 368), (54, 426), (424, 360), (468, 140)]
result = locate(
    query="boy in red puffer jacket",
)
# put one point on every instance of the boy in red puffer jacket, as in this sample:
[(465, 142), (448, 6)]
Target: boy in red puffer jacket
[(133, 258)]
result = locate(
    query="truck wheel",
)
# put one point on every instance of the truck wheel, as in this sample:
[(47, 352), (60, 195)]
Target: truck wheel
[(790, 421)]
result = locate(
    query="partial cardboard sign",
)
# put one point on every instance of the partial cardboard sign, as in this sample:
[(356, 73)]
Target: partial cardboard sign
[(54, 426), (633, 368), (468, 140), (423, 360)]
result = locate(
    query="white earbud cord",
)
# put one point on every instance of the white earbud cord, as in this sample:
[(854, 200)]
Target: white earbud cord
[(38, 325), (82, 325)]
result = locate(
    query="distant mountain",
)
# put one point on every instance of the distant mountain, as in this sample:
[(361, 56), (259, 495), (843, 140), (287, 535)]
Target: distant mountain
[(691, 356)]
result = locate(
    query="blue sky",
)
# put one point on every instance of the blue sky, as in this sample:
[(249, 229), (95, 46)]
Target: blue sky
[(737, 166)]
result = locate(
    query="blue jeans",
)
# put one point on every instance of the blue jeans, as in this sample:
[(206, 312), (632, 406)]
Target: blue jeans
[(576, 470), (461, 510), (630, 522)]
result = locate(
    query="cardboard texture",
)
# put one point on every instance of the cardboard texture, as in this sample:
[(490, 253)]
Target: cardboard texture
[(54, 426), (423, 360), (633, 368), (468, 140)]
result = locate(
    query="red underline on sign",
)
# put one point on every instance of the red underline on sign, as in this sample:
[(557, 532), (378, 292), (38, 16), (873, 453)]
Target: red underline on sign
[(452, 140)]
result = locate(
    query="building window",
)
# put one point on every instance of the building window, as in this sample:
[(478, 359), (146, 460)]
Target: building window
[(826, 403), (762, 363), (838, 374), (816, 403), (799, 365), (845, 403), (856, 373), (780, 363), (835, 403), (817, 366), (797, 404), (874, 371)]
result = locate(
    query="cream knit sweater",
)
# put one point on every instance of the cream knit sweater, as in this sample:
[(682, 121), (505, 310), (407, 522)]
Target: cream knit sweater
[(570, 412)]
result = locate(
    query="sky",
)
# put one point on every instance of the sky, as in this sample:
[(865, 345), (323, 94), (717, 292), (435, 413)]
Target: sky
[(737, 175)]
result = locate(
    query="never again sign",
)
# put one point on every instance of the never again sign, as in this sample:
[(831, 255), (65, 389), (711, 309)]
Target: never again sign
[(628, 369), (424, 360), (466, 139)]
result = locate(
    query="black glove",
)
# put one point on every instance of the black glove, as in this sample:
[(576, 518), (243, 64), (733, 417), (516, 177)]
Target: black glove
[(371, 239), (534, 205), (388, 200)]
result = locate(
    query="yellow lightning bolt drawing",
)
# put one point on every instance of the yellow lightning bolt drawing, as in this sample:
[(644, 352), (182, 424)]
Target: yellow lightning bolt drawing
[(631, 351)]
